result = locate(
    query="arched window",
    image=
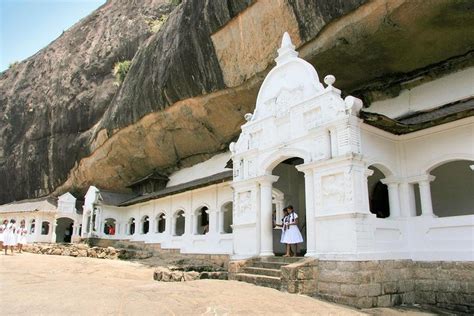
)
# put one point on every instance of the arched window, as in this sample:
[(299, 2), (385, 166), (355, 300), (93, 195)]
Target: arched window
[(202, 220), (226, 218), (109, 226), (145, 224), (131, 226), (180, 221), (452, 191), (32, 226), (378, 194), (45, 228), (161, 223)]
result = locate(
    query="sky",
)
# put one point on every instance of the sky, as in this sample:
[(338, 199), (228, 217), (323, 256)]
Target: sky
[(26, 26)]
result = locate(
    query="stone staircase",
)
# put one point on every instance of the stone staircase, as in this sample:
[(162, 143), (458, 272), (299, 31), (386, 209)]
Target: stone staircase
[(265, 271)]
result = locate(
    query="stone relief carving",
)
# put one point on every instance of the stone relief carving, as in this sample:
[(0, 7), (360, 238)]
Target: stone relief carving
[(333, 189), (245, 202)]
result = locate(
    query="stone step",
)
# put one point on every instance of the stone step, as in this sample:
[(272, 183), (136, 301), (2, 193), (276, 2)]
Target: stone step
[(263, 271), (268, 265), (260, 280), (286, 260)]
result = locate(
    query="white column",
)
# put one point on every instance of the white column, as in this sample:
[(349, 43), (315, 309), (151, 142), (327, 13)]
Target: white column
[(310, 213), (220, 214), (53, 230), (37, 232), (393, 196), (407, 199), (266, 229), (425, 196)]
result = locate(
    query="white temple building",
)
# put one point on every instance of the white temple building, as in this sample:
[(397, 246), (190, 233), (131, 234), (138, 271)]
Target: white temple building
[(47, 219), (393, 182), (364, 190)]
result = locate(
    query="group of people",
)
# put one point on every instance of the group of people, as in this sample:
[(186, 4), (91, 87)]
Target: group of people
[(290, 233), (12, 235)]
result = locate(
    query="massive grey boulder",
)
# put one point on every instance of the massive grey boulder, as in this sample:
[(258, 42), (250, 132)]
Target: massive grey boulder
[(65, 125)]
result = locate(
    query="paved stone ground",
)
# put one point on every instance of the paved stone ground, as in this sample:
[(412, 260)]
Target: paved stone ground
[(52, 285)]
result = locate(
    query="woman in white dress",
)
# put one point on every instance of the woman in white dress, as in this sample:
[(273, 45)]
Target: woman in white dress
[(2, 229), (292, 233), (21, 236), (9, 236)]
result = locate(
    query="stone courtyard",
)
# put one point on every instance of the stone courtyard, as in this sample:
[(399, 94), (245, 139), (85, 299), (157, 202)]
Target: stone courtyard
[(53, 285)]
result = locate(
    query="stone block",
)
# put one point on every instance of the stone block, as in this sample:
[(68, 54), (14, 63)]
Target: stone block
[(350, 290), (460, 274), (304, 273), (466, 265), (425, 285), (329, 288), (450, 286), (366, 302), (384, 301), (406, 286), (288, 273), (309, 287), (423, 273), (327, 265), (365, 276), (408, 298), (236, 266), (369, 265), (470, 287), (425, 297), (292, 287), (390, 287), (371, 289), (348, 266)]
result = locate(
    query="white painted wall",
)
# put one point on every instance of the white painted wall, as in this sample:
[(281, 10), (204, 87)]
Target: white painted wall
[(214, 242), (451, 88)]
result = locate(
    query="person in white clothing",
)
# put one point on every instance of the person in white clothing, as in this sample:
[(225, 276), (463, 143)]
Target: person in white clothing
[(2, 229), (292, 233), (21, 236), (9, 236)]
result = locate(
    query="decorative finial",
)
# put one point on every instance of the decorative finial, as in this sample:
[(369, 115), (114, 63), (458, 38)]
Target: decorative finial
[(286, 41), (329, 80), (287, 50)]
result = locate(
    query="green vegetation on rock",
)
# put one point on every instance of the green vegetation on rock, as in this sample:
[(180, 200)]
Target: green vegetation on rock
[(155, 24), (120, 70)]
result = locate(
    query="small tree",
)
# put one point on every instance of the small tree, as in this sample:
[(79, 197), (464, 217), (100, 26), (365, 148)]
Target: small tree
[(120, 70)]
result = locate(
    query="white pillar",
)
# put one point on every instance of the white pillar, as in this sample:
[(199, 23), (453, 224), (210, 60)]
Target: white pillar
[(407, 199), (37, 232), (425, 196), (310, 213), (53, 230), (266, 229), (393, 196)]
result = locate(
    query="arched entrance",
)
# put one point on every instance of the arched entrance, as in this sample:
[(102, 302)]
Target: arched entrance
[(291, 184), (64, 229)]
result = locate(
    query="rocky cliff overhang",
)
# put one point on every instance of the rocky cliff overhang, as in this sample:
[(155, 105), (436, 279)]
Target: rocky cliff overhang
[(421, 120), (190, 84)]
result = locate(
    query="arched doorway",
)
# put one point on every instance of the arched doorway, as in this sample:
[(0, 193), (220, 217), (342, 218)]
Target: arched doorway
[(109, 226), (378, 193), (64, 227), (290, 184)]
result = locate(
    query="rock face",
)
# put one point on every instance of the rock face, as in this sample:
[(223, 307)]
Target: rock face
[(65, 125)]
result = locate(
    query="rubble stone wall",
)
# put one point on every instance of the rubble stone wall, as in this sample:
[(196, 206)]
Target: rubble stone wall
[(73, 250)]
